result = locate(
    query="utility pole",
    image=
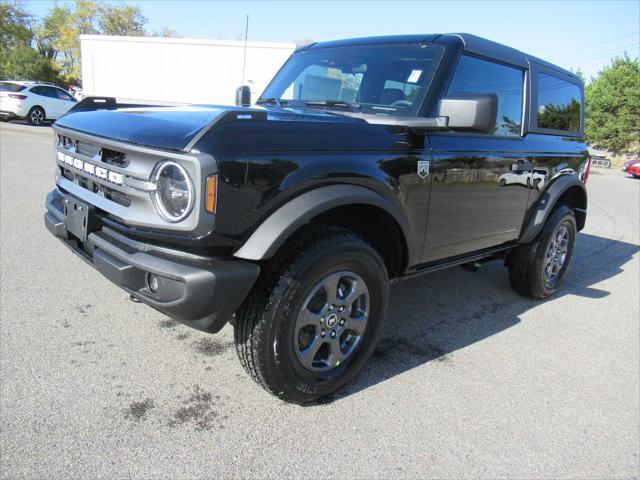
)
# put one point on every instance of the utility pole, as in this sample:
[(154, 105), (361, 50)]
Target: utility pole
[(244, 60)]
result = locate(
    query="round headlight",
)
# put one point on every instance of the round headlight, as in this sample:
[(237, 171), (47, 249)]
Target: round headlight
[(174, 192)]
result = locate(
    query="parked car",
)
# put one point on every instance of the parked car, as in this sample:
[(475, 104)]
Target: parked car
[(76, 91), (364, 161), (34, 101), (626, 165), (525, 177), (634, 169)]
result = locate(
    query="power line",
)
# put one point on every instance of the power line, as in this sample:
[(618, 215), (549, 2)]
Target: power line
[(632, 46), (593, 45)]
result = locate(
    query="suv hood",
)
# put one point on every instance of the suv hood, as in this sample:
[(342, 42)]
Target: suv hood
[(161, 127), (176, 128)]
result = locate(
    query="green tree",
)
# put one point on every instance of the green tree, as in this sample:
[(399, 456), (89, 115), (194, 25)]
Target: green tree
[(561, 117), (165, 32), (48, 31), (15, 27), (81, 20), (24, 63), (123, 20), (56, 38), (613, 107)]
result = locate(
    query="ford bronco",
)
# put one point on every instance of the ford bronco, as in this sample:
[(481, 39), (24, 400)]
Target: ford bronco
[(364, 161)]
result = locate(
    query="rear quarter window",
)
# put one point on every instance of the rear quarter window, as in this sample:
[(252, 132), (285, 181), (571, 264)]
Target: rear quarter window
[(559, 104), (11, 87)]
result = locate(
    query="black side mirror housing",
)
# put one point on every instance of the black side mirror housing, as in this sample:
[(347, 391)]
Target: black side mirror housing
[(243, 96), (470, 111)]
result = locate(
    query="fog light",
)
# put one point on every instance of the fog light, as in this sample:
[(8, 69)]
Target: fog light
[(153, 282)]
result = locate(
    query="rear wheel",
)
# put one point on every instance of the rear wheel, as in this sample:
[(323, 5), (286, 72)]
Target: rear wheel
[(537, 268), (315, 315), (36, 116)]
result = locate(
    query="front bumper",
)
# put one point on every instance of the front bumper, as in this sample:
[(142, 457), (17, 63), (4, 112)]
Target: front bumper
[(201, 292)]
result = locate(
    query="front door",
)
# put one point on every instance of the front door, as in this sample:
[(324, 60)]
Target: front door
[(479, 192), (480, 184)]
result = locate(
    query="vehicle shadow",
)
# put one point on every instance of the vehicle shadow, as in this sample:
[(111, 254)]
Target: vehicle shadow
[(430, 317)]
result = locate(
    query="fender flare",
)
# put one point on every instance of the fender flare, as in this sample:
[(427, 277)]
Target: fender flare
[(547, 201), (281, 224)]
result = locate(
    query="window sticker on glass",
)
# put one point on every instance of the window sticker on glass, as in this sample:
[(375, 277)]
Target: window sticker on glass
[(415, 75)]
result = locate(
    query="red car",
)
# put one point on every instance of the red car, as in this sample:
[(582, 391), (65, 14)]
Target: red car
[(634, 169)]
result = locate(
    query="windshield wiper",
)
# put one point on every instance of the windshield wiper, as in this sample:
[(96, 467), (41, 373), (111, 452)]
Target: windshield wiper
[(272, 101), (333, 103)]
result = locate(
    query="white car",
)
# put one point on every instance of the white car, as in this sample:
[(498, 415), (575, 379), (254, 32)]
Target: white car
[(33, 101), (536, 178)]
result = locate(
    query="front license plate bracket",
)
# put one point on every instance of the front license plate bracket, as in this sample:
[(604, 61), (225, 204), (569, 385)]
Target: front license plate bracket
[(79, 218)]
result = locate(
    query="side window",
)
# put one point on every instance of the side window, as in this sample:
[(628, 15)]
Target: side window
[(62, 95), (559, 104), (37, 91), (50, 92), (475, 75)]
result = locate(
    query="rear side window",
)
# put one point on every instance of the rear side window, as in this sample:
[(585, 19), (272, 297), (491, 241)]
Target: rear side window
[(38, 90), (11, 87), (475, 75), (559, 104)]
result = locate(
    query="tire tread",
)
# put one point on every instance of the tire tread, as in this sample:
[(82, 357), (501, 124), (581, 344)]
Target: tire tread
[(251, 325)]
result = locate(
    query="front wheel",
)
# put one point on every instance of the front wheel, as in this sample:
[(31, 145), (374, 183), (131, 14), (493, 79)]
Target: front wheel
[(314, 316), (537, 268)]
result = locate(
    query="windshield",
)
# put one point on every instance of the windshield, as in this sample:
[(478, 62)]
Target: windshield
[(385, 79)]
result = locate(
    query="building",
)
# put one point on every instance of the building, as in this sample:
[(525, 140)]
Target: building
[(177, 70)]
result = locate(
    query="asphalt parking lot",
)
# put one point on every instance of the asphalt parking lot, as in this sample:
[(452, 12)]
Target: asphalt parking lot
[(470, 380)]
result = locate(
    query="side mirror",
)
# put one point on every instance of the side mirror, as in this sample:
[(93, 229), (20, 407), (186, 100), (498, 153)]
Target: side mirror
[(470, 111), (243, 96)]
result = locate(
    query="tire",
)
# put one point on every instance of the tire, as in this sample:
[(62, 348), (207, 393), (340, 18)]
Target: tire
[(295, 289), (536, 269), (36, 116)]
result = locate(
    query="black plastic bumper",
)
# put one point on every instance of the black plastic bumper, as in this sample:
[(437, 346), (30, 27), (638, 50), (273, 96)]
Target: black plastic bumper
[(201, 292)]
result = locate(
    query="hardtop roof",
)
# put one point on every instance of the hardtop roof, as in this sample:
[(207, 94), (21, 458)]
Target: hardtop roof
[(471, 43)]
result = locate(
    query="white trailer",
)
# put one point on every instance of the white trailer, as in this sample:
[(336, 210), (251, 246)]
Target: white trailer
[(177, 70)]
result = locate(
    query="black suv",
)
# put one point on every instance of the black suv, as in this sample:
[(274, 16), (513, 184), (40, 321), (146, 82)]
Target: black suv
[(364, 161)]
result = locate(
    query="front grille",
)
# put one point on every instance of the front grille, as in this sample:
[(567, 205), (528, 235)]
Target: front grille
[(89, 184), (116, 178), (112, 157), (87, 149), (93, 151)]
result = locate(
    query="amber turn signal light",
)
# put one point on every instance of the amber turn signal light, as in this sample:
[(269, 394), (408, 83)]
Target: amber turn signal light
[(212, 184)]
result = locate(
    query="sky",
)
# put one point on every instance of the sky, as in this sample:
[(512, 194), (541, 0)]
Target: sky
[(573, 34)]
